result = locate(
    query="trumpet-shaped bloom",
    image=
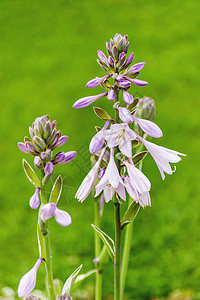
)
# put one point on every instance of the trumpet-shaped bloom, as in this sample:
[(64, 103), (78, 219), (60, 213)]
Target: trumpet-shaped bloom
[(162, 156), (50, 209), (28, 281), (137, 184), (89, 181), (34, 200), (111, 181), (120, 135), (149, 127)]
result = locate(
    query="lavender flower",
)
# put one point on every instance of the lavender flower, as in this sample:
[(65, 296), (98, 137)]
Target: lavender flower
[(28, 281), (149, 127), (89, 181), (111, 181), (98, 140), (34, 200), (125, 115), (63, 157), (83, 102), (50, 209), (162, 156)]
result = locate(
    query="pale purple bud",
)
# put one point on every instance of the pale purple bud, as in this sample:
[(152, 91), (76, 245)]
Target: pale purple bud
[(63, 158), (34, 200), (98, 139), (47, 130), (124, 84), (62, 217), (111, 61), (37, 162), (28, 281), (128, 61), (126, 48), (117, 38), (31, 132), (69, 156), (61, 141), (46, 156), (23, 148), (97, 81), (59, 158), (47, 211), (149, 127), (64, 297), (102, 57), (102, 172), (30, 147), (108, 48), (125, 115), (95, 260), (83, 102), (49, 168), (51, 137), (128, 98), (115, 52), (102, 65), (38, 143), (122, 58), (137, 82), (111, 94), (135, 68)]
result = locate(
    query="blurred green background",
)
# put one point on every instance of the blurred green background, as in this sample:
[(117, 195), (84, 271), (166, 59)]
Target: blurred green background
[(48, 52)]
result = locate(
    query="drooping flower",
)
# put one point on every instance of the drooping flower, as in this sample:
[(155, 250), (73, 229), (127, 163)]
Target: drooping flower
[(34, 201), (28, 281), (50, 209), (111, 181), (137, 184), (98, 140), (162, 156), (120, 135), (89, 181)]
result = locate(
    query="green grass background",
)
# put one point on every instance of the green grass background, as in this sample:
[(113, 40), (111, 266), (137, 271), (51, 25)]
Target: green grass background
[(47, 54)]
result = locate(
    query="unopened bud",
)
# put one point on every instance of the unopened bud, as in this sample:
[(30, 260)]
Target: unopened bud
[(146, 109), (46, 156)]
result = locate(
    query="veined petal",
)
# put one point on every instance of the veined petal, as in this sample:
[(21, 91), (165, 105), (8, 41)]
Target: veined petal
[(128, 98), (62, 217), (28, 281), (149, 127), (83, 102)]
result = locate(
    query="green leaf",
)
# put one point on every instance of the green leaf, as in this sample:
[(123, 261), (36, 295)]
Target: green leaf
[(101, 113), (103, 258), (31, 174), (56, 190), (108, 242), (70, 281), (40, 242), (139, 156), (130, 214), (84, 276)]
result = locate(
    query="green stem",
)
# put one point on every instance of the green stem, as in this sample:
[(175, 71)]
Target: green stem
[(117, 266), (98, 282), (47, 248)]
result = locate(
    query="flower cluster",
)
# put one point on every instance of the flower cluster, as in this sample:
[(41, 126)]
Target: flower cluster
[(117, 65), (44, 138)]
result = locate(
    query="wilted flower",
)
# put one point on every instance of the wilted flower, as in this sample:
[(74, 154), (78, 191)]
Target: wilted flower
[(28, 281)]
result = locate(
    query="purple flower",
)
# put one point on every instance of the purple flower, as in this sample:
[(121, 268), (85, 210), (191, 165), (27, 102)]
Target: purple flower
[(49, 168), (135, 68), (50, 209), (98, 140), (103, 58), (97, 81), (137, 184), (111, 181), (162, 156), (34, 200), (125, 115), (111, 94), (28, 281), (27, 147), (136, 81), (89, 181), (149, 127), (83, 102), (120, 135), (61, 141), (63, 157)]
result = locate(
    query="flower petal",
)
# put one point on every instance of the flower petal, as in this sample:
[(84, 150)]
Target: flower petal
[(62, 217), (47, 211), (149, 127), (83, 102)]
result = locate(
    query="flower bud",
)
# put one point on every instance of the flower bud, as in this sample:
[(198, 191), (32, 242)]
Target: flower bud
[(47, 130), (49, 168), (38, 162), (46, 156), (146, 109), (38, 143), (34, 200), (64, 297), (47, 211)]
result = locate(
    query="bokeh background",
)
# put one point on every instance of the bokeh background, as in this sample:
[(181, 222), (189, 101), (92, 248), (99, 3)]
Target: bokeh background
[(48, 52)]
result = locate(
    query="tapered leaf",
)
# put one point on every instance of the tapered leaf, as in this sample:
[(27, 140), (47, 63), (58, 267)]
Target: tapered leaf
[(130, 214), (56, 190), (84, 276), (139, 156), (101, 113), (70, 281), (108, 242), (31, 174)]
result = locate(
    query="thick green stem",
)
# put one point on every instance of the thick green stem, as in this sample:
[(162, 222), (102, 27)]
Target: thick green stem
[(98, 283), (117, 266), (47, 250)]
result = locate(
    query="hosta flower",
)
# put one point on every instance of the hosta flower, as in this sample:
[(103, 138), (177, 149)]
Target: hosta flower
[(34, 201), (63, 157), (148, 127), (98, 140), (28, 281), (111, 181), (120, 135), (162, 156), (89, 181), (137, 184), (50, 209)]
